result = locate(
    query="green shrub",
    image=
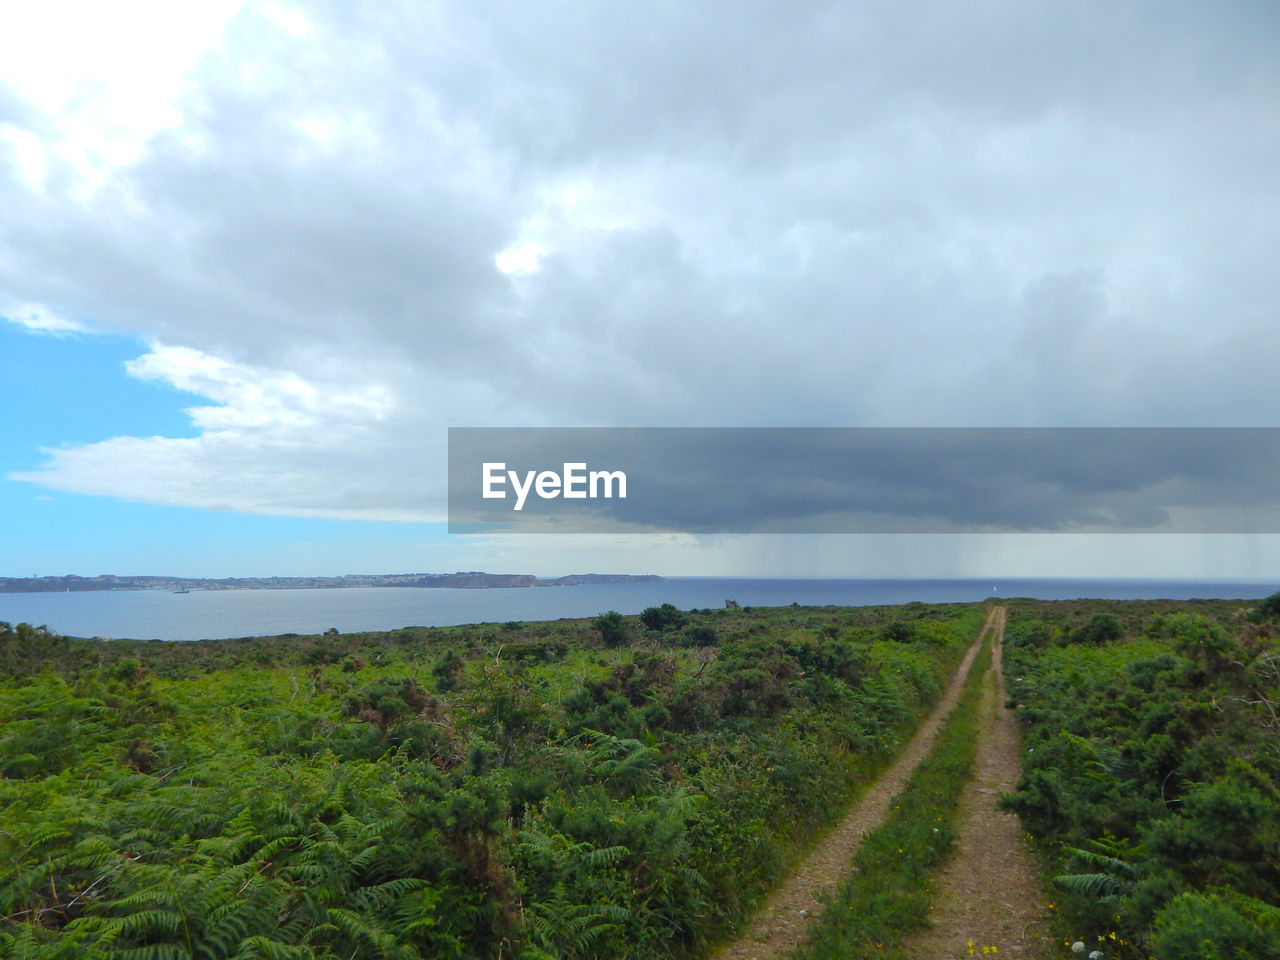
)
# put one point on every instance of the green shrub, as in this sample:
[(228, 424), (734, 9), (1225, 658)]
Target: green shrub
[(612, 628), (663, 619), (1217, 925)]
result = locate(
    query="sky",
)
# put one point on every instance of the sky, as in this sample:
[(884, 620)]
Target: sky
[(257, 257)]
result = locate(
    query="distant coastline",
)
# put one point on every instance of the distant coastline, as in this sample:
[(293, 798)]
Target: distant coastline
[(472, 579)]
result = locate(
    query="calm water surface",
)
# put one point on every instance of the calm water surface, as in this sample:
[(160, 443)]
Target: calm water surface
[(153, 614)]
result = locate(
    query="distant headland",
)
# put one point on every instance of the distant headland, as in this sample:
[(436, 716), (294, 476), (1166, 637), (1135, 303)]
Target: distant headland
[(472, 579)]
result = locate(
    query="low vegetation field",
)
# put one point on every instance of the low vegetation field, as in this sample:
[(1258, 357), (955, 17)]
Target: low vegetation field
[(1152, 772), (630, 787), (618, 788)]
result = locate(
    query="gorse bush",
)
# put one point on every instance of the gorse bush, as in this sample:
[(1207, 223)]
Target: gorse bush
[(663, 618), (1216, 925)]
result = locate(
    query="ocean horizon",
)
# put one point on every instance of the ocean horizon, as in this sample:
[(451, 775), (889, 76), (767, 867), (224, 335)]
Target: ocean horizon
[(213, 614)]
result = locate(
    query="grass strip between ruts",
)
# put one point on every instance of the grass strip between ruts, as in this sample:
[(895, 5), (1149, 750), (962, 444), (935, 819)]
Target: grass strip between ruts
[(888, 894)]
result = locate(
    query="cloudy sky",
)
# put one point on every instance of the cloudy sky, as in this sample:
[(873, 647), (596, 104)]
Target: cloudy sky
[(257, 257)]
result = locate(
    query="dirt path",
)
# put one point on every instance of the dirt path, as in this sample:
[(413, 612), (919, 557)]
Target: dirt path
[(782, 923), (989, 894)]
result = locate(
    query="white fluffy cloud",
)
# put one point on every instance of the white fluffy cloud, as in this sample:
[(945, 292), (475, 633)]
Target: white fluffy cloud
[(40, 319), (272, 442), (349, 227), (101, 79)]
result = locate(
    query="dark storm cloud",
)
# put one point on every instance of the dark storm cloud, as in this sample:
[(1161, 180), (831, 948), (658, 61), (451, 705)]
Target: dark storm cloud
[(878, 480)]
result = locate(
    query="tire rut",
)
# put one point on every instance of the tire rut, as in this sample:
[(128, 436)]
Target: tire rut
[(783, 922), (989, 894)]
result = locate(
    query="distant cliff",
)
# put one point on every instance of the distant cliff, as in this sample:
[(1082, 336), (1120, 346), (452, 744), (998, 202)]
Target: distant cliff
[(472, 579)]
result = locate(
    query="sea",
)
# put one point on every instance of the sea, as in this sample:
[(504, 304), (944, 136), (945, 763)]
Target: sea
[(201, 614)]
